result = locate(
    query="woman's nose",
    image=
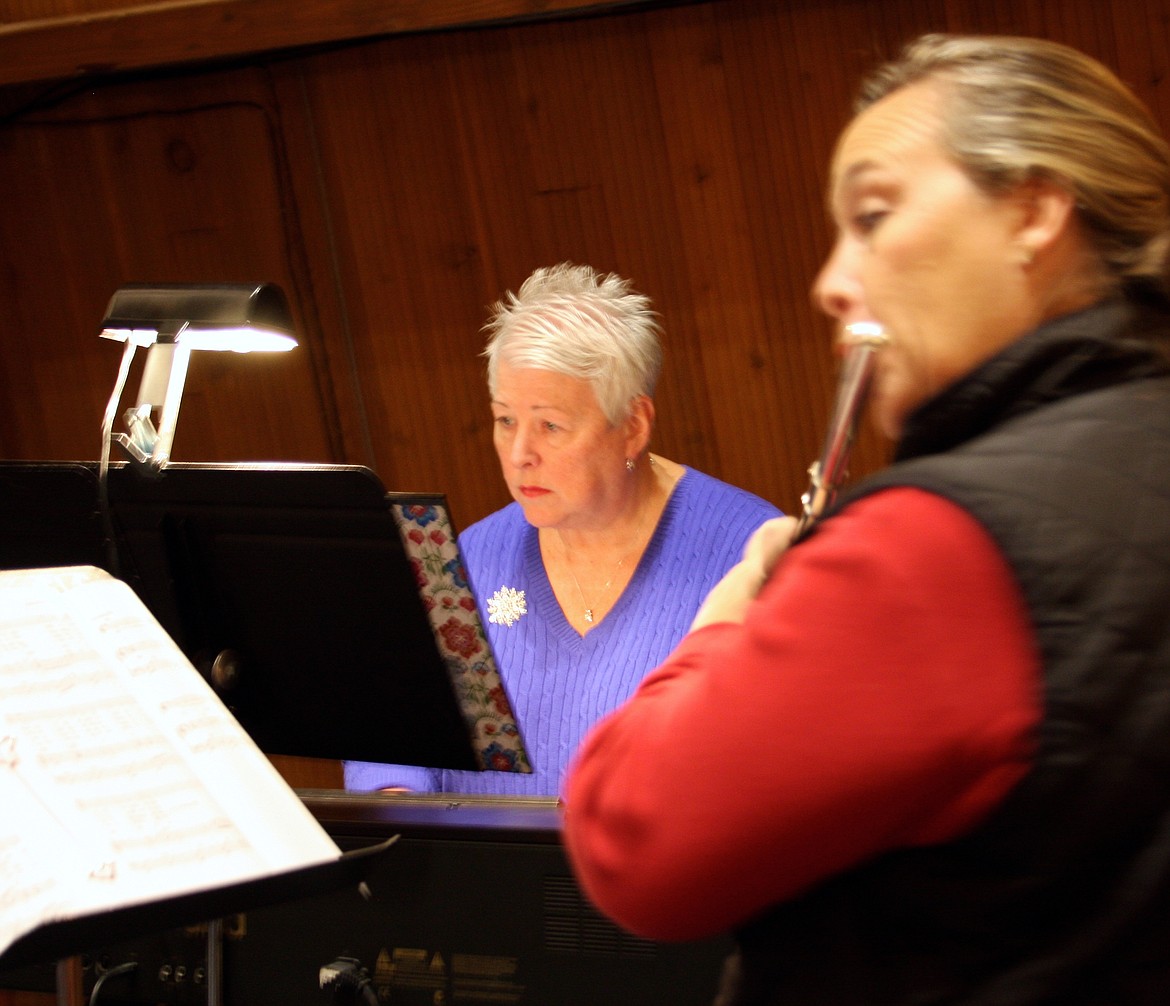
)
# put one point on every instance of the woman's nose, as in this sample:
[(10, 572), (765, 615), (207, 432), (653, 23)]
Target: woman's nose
[(836, 290), (520, 450)]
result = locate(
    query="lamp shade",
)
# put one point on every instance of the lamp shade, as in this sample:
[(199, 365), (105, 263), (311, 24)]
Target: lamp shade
[(234, 316)]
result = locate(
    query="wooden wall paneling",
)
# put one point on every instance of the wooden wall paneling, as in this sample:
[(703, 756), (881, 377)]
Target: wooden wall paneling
[(62, 39), (525, 212), (157, 183), (386, 16), (480, 67), (883, 29), (1090, 27), (1143, 54), (409, 264), (1133, 39), (827, 49), (702, 167), (791, 82), (322, 292), (576, 145), (784, 133), (1041, 18), (53, 374), (18, 11)]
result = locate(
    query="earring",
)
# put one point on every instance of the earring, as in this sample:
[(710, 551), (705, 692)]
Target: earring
[(629, 464)]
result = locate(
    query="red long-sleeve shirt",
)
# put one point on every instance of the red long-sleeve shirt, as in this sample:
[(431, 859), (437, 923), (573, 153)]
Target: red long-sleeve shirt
[(881, 693)]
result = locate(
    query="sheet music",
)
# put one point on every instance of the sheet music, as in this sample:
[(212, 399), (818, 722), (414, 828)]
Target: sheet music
[(123, 778)]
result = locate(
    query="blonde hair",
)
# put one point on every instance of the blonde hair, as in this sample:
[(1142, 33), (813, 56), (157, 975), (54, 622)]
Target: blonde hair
[(1018, 108), (571, 319)]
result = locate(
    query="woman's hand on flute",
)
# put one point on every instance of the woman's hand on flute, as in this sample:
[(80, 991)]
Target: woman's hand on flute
[(729, 599)]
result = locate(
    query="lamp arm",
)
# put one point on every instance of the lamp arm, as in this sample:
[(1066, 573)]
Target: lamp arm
[(104, 458), (180, 358), (112, 405)]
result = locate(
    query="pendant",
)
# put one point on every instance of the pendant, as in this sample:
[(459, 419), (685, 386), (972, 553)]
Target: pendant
[(589, 615)]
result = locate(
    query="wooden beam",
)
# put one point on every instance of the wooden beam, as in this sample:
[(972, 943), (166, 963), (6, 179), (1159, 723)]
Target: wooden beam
[(145, 36)]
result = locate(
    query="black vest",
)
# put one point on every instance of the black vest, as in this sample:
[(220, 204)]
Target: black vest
[(1060, 447)]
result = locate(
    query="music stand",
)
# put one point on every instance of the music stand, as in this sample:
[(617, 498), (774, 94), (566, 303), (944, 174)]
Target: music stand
[(49, 514), (58, 940), (288, 587), (135, 801)]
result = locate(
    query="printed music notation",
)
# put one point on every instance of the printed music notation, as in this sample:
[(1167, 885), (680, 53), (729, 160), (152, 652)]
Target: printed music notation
[(123, 778)]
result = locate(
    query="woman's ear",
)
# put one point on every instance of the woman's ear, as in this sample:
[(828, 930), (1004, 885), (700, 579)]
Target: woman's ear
[(1047, 214), (639, 425)]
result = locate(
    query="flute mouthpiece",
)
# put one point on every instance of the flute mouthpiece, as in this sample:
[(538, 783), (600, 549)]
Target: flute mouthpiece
[(864, 332)]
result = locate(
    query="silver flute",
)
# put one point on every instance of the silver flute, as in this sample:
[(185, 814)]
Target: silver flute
[(862, 342)]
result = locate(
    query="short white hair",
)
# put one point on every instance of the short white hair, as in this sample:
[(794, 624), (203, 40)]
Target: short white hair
[(572, 320)]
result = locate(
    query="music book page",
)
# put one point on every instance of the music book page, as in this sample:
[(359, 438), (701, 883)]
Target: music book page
[(123, 778)]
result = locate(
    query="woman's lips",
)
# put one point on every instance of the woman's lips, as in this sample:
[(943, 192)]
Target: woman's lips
[(531, 492)]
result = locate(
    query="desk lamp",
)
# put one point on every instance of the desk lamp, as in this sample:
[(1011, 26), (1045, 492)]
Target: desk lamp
[(170, 321)]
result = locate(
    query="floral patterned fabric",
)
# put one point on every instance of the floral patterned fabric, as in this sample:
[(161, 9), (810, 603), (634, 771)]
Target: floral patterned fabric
[(429, 540)]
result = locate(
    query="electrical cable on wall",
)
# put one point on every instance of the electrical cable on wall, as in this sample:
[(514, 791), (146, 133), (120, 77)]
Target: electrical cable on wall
[(121, 969)]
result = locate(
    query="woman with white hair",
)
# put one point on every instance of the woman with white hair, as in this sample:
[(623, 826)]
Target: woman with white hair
[(595, 571)]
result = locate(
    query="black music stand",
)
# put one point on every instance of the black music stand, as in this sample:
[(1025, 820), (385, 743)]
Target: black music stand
[(58, 940), (286, 585), (103, 721), (49, 515)]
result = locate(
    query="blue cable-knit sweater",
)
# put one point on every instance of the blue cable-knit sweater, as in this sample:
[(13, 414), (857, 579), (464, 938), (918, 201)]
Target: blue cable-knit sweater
[(559, 682)]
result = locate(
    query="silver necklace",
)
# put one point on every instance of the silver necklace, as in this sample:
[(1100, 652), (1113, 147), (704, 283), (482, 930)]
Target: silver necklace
[(577, 583), (586, 606)]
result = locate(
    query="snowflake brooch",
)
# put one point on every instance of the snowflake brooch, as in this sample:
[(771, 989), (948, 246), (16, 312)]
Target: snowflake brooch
[(506, 606)]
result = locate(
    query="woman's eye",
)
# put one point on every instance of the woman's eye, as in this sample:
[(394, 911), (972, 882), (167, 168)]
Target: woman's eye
[(867, 222), (551, 427), (505, 421)]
